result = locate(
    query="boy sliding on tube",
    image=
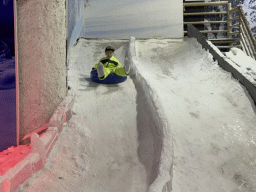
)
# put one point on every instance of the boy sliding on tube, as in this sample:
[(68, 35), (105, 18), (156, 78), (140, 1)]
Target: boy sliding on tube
[(110, 64)]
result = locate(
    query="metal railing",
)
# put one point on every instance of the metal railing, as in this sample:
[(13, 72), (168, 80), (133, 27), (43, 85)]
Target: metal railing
[(244, 37)]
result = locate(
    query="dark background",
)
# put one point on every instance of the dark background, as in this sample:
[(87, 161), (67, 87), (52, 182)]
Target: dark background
[(7, 25), (7, 76)]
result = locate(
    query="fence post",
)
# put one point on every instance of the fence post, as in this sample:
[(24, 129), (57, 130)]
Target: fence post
[(228, 22), (240, 25)]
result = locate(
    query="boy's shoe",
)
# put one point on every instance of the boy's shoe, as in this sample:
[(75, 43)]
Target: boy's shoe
[(101, 78), (100, 70), (126, 66)]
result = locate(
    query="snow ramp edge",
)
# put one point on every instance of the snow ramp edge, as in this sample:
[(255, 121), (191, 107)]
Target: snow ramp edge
[(163, 181)]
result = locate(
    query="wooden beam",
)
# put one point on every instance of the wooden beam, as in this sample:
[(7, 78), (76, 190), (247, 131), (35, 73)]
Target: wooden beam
[(223, 40), (244, 48), (213, 31), (234, 33), (228, 20), (234, 18), (236, 25), (204, 22), (205, 4), (224, 47), (248, 44), (234, 10), (245, 32), (206, 13), (245, 21)]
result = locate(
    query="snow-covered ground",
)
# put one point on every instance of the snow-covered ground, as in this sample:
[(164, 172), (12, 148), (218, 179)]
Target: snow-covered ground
[(212, 120), (107, 114), (240, 61)]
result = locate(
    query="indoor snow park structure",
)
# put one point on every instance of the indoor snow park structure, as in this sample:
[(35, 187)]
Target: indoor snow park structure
[(183, 120)]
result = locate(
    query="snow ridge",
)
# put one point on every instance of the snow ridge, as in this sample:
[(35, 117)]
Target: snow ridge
[(163, 182)]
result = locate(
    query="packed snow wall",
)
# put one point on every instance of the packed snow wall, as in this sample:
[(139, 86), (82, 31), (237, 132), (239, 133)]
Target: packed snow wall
[(162, 168), (41, 55)]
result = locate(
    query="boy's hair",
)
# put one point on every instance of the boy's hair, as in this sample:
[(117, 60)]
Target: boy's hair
[(109, 48)]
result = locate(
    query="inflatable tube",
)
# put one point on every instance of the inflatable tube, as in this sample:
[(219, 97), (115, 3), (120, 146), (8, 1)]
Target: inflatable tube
[(110, 79)]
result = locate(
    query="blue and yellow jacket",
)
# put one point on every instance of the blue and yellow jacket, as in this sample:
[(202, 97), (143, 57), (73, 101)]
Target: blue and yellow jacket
[(109, 63)]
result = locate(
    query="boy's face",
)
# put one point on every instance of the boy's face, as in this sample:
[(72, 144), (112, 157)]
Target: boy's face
[(109, 54)]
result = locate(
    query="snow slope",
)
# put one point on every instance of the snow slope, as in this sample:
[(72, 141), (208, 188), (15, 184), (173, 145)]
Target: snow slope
[(106, 121), (211, 115)]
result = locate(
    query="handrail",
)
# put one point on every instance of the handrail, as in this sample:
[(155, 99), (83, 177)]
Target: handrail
[(245, 37), (247, 25)]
